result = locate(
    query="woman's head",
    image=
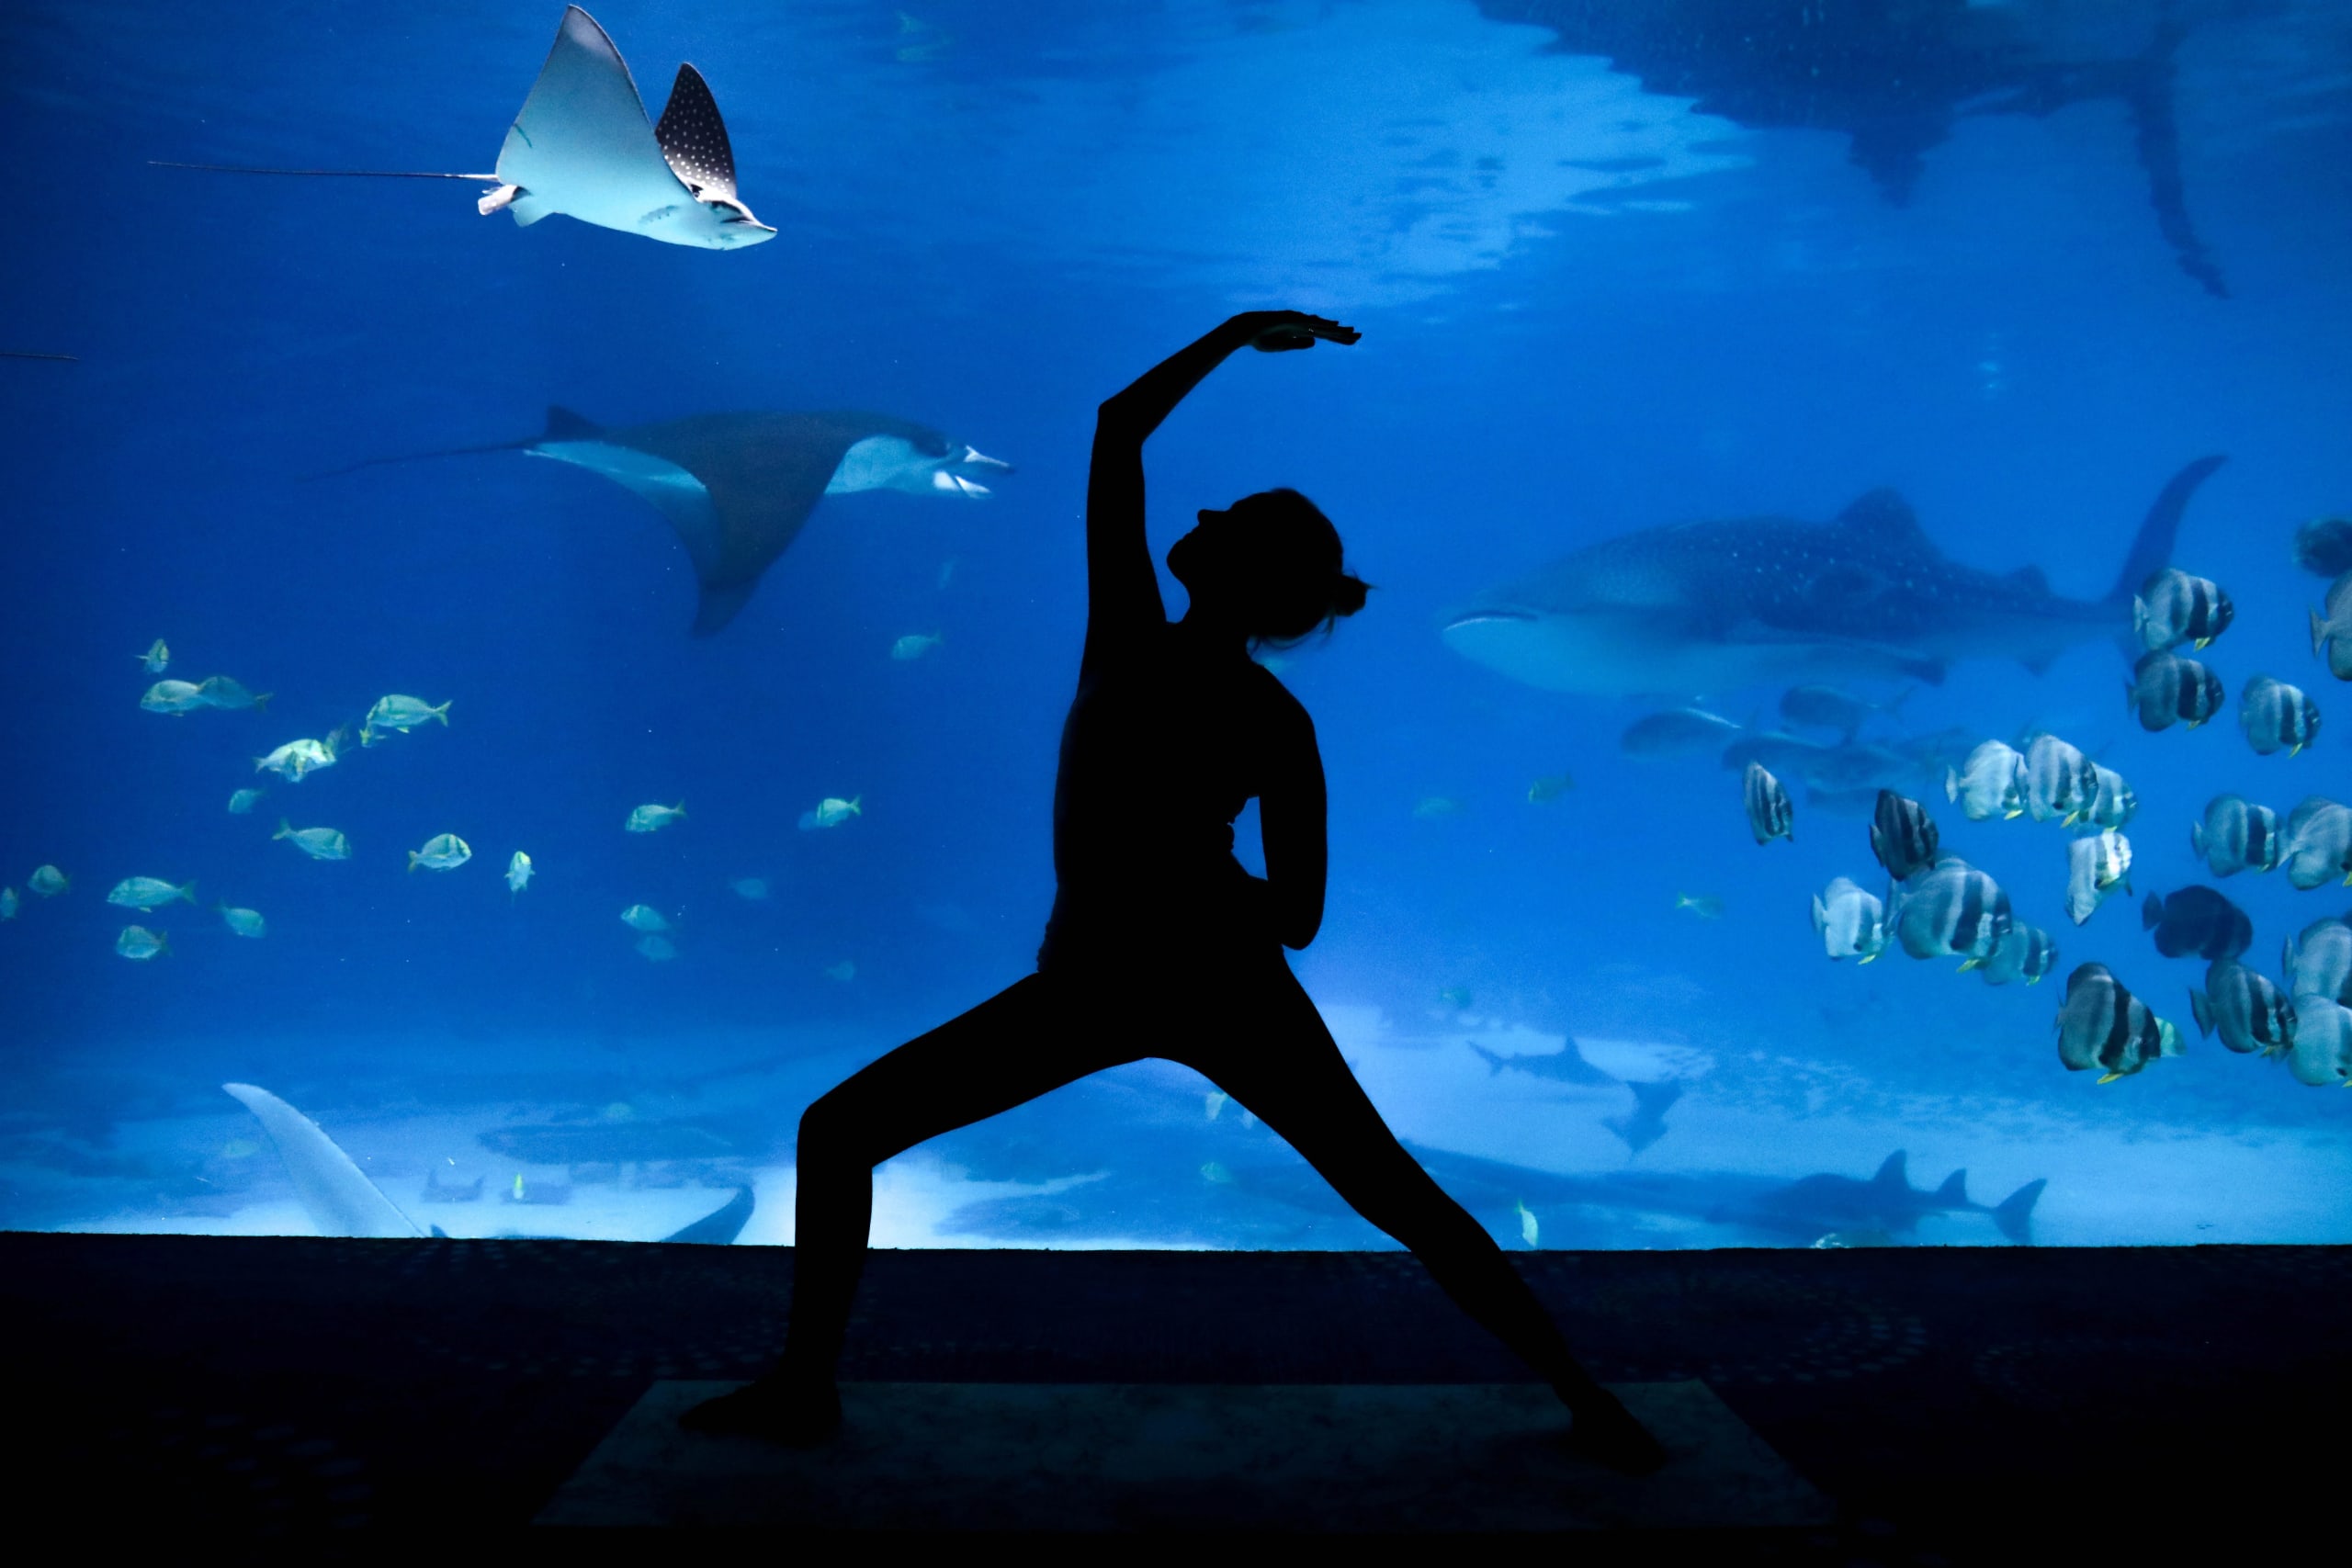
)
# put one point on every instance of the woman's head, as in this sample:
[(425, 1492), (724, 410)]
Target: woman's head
[(1270, 564)]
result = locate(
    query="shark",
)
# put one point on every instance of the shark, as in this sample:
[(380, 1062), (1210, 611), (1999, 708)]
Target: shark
[(1798, 1213), (1693, 608), (584, 147), (339, 1199), (1645, 1124), (739, 487)]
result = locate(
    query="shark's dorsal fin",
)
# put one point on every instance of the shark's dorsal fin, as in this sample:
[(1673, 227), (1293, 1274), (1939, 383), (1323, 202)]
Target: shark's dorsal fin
[(565, 425), (1883, 512), (1954, 1191), (1893, 1173), (693, 138)]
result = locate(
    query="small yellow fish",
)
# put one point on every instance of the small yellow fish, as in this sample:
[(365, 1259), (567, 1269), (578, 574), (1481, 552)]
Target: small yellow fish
[(400, 713), (832, 812), (519, 873), (48, 881), (319, 843), (1706, 905), (914, 645), (244, 922), (753, 888), (653, 818), (1215, 1100), (140, 944), (844, 970), (518, 1187), (156, 658), (655, 948), (8, 903), (240, 1148), (174, 697), (443, 852), (643, 918), (1216, 1174), (298, 759), (242, 801), (223, 691), (1434, 807), (1550, 788), (1455, 997), (1527, 1227), (144, 893)]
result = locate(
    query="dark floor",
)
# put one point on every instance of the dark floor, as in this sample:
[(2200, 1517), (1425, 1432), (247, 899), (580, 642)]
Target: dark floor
[(1960, 1405)]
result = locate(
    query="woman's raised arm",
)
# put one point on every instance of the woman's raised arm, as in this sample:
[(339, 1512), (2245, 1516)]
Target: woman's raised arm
[(1123, 590)]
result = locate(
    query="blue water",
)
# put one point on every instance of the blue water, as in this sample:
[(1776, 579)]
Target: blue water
[(1588, 308)]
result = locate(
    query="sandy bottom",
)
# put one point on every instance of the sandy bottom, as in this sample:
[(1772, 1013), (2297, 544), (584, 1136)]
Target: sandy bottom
[(2112, 1180)]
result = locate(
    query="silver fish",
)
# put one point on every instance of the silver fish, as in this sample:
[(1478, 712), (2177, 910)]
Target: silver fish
[(2061, 783), (2027, 953), (2332, 632), (2114, 804), (2165, 689), (2250, 1013), (2323, 1049), (2317, 843), (2102, 1025), (1770, 815), (2174, 608), (2318, 961), (2097, 865), (1991, 784), (1850, 923), (1903, 836), (2277, 716), (1953, 910), (2236, 836)]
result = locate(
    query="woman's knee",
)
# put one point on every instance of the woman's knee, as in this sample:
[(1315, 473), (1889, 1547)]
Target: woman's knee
[(831, 1131)]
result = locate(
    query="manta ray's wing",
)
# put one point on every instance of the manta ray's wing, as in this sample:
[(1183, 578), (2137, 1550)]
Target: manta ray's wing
[(737, 487), (583, 144), (693, 138), (336, 1193)]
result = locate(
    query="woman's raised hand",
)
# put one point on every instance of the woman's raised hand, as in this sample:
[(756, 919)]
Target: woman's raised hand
[(1276, 332)]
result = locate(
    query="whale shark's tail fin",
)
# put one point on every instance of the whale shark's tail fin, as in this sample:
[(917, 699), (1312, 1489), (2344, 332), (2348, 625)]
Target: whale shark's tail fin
[(2015, 1215), (2152, 548)]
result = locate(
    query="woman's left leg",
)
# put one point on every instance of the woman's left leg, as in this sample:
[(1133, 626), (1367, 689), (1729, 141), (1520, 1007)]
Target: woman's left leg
[(1285, 1066)]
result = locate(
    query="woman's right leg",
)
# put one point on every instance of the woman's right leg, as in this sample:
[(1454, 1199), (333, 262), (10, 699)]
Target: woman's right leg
[(1019, 1043)]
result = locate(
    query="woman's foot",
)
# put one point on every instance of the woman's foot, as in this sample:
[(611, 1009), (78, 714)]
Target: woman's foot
[(796, 1414), (1606, 1433)]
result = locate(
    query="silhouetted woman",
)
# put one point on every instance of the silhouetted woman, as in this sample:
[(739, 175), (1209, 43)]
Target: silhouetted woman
[(1161, 945)]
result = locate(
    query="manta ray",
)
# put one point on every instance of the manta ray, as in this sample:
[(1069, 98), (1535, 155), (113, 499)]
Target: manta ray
[(584, 147), (1712, 606), (738, 486), (339, 1200)]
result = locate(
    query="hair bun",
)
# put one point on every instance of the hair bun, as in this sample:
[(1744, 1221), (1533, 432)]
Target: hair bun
[(1348, 593)]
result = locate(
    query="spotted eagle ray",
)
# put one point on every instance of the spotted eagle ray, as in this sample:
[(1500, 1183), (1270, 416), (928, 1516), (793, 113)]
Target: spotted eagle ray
[(1712, 606), (583, 146), (738, 486)]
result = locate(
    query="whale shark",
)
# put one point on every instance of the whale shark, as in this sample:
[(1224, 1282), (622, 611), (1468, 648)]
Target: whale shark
[(738, 486), (339, 1200), (584, 147), (1693, 609)]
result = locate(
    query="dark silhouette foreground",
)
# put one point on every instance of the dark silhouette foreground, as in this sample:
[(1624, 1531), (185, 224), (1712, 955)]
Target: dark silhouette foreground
[(1161, 945)]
